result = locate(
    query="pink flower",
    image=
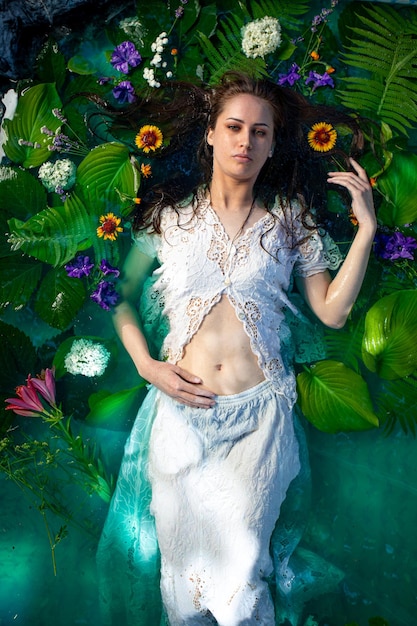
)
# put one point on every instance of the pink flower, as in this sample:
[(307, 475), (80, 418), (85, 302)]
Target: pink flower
[(45, 385), (29, 397)]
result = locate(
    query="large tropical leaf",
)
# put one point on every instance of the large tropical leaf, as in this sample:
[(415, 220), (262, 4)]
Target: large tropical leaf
[(390, 337), (399, 186), (334, 398), (56, 234), (115, 411), (384, 51), (59, 299), (19, 277), (34, 111), (108, 179)]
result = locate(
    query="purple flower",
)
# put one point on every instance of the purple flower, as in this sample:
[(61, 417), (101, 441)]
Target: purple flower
[(80, 266), (179, 12), (107, 269), (125, 55), (124, 92), (396, 246), (319, 80), (105, 295), (291, 76)]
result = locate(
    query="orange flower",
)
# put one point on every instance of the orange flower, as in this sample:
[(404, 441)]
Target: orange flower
[(149, 138), (110, 226), (315, 55), (322, 137), (330, 69), (373, 181), (174, 52), (137, 200), (146, 170), (352, 217)]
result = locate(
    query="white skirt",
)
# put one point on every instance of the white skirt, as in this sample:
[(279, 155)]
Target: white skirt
[(219, 477)]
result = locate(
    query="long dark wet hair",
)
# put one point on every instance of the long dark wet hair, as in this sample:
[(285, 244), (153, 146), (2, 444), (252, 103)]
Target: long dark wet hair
[(186, 112)]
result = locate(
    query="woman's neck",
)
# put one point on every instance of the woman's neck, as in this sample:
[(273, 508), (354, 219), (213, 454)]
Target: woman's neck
[(233, 198)]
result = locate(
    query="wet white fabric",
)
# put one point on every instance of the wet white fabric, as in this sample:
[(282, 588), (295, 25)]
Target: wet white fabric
[(218, 479), (199, 264)]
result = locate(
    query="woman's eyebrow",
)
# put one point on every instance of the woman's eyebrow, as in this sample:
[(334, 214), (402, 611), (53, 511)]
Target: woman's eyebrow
[(236, 119)]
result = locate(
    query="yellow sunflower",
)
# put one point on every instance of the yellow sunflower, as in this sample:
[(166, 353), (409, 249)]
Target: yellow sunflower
[(149, 138), (322, 137), (110, 226)]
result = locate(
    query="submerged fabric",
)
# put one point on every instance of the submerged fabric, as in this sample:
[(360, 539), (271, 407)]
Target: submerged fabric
[(128, 558), (199, 263), (218, 479)]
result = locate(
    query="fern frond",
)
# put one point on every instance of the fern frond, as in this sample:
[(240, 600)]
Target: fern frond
[(228, 55), (282, 9), (384, 48)]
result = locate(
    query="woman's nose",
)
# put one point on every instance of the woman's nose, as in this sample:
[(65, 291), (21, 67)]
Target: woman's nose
[(245, 141)]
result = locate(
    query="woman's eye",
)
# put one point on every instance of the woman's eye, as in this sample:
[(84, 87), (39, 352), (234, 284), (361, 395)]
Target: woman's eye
[(233, 127), (260, 133)]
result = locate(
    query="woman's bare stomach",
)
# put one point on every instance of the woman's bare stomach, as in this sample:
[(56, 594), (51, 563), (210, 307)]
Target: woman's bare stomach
[(220, 353)]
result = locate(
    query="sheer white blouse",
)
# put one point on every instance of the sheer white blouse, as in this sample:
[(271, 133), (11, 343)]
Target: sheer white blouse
[(199, 263)]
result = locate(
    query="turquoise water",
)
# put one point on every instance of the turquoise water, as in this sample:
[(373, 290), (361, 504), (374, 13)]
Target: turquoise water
[(362, 520)]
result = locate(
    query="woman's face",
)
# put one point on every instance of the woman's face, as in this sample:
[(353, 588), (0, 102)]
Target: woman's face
[(242, 138)]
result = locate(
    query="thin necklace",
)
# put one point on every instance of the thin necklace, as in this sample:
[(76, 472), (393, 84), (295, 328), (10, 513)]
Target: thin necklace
[(239, 232), (227, 263)]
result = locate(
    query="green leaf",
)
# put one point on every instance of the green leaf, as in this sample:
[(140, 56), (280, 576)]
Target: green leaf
[(56, 234), (19, 277), (33, 111), (93, 57), (115, 411), (334, 398), (50, 64), (105, 176), (383, 50), (399, 186), (17, 358), (397, 404), (390, 337), (22, 195), (59, 299)]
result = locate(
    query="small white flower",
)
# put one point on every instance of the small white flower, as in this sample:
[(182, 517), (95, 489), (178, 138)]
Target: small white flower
[(58, 175), (261, 37), (87, 358)]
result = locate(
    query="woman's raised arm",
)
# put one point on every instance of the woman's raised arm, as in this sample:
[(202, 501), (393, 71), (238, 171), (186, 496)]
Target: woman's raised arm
[(332, 300)]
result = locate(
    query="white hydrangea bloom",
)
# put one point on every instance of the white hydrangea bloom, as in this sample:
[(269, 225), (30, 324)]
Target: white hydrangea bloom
[(87, 358), (58, 175), (261, 37)]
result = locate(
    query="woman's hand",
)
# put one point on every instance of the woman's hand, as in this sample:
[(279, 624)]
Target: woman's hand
[(361, 192), (178, 384)]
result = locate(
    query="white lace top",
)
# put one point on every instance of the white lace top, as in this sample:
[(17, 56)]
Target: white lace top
[(198, 264)]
